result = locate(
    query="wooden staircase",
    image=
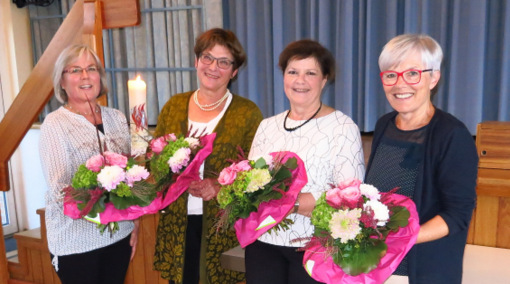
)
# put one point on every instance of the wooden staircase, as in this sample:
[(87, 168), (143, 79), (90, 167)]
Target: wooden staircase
[(83, 24)]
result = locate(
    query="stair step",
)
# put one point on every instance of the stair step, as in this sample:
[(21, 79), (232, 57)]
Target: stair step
[(29, 239)]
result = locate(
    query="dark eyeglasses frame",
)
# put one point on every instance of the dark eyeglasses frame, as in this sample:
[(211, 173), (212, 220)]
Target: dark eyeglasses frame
[(218, 60), (78, 70)]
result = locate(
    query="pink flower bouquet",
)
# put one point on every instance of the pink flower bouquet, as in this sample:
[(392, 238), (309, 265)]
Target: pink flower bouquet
[(152, 199), (108, 178), (361, 235), (257, 195)]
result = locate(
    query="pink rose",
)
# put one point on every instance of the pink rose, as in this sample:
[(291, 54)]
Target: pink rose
[(170, 137), (227, 176), (158, 144), (241, 166), (346, 194), (114, 159), (95, 163), (352, 182), (333, 198)]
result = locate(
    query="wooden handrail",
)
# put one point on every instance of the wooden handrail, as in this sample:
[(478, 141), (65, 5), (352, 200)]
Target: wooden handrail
[(38, 88), (83, 24), (36, 92)]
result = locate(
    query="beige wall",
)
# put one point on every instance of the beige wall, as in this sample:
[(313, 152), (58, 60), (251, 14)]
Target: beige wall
[(15, 67), (15, 50)]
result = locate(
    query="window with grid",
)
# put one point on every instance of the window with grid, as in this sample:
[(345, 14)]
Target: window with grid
[(160, 50)]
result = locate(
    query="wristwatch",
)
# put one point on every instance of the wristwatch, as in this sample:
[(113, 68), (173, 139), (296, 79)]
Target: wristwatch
[(296, 206)]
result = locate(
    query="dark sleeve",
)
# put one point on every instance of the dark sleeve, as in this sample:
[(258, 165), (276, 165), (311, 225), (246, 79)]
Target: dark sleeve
[(457, 173)]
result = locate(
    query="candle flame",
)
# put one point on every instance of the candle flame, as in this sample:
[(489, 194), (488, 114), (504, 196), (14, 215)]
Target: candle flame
[(138, 78)]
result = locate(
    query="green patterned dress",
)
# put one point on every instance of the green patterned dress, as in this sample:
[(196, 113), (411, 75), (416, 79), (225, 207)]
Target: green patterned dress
[(236, 128)]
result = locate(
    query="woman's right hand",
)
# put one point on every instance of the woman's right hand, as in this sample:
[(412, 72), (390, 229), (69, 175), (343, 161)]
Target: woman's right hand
[(206, 189)]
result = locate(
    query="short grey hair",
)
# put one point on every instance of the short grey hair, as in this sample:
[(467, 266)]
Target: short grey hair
[(69, 55), (399, 47)]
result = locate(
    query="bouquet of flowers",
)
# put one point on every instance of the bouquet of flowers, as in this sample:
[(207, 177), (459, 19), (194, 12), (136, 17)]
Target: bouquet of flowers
[(175, 162), (106, 200), (107, 178), (256, 195), (361, 235)]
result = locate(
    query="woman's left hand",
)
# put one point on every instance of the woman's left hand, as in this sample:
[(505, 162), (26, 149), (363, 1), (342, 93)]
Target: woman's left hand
[(207, 188), (134, 238)]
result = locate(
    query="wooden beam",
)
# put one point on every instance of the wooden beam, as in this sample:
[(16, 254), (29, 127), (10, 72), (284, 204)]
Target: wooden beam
[(38, 89), (120, 13)]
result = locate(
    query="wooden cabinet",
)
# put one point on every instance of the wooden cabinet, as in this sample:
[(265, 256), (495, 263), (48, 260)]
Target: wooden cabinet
[(490, 225)]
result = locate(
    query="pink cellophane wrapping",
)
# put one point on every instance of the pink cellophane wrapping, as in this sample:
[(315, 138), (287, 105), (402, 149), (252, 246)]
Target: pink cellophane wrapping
[(191, 173), (246, 228), (399, 243)]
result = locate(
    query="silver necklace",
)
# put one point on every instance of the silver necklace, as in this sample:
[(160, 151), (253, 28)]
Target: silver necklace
[(209, 107), (68, 106)]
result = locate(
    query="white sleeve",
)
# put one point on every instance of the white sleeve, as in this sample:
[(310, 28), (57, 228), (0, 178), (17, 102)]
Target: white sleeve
[(54, 157)]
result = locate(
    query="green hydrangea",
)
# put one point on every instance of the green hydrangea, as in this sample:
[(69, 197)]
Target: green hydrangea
[(321, 215), (123, 190), (159, 163), (84, 178)]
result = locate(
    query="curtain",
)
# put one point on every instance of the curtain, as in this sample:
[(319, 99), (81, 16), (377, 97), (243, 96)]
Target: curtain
[(474, 35)]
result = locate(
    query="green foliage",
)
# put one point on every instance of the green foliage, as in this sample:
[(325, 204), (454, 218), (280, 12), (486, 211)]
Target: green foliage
[(84, 178), (356, 258), (238, 203), (321, 215), (159, 163)]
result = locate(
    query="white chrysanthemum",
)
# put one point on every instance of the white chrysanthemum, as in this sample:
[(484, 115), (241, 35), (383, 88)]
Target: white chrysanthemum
[(179, 160), (193, 142), (136, 173), (369, 191), (381, 211), (344, 224), (111, 176)]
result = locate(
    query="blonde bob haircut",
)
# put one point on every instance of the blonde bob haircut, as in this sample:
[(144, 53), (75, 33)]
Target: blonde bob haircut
[(69, 55), (401, 46)]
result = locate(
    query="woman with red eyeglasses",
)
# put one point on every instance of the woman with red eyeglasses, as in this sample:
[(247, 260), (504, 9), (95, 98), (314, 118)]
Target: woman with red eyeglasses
[(429, 154)]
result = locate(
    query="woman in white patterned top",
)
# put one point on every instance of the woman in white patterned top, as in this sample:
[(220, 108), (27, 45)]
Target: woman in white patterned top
[(327, 141), (69, 136)]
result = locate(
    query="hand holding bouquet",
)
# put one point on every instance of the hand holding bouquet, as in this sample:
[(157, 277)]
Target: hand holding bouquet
[(360, 234), (257, 195), (107, 178)]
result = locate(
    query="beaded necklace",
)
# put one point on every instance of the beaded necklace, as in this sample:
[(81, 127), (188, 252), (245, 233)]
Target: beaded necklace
[(290, 129), (209, 107)]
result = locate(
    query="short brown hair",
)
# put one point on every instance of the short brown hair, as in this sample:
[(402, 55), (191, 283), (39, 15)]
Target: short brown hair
[(306, 48), (225, 38)]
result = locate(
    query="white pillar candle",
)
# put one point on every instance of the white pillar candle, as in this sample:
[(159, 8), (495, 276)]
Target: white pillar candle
[(137, 90)]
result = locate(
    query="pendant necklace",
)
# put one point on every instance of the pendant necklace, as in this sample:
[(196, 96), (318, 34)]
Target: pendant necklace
[(209, 107), (290, 129)]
